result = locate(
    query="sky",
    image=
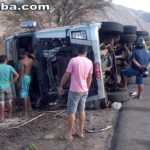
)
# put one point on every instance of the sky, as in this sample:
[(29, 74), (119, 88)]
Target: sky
[(135, 4)]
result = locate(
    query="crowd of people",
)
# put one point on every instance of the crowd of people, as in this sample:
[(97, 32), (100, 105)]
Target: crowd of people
[(80, 70), (9, 76)]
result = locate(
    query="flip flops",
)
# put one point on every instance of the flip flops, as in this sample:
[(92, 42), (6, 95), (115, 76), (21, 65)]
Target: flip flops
[(2, 121), (77, 135), (63, 137)]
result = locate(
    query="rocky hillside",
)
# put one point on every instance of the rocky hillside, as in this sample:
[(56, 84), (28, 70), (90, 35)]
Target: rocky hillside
[(114, 13), (125, 16)]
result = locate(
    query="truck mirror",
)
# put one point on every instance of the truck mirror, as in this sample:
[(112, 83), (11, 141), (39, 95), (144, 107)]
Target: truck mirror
[(29, 24)]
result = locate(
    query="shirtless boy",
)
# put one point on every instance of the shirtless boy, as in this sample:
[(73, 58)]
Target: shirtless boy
[(24, 80)]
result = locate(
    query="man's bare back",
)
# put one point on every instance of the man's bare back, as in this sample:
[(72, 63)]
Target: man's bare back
[(26, 66), (24, 81)]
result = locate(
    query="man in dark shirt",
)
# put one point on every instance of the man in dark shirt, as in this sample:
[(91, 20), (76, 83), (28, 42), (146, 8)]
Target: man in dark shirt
[(140, 58)]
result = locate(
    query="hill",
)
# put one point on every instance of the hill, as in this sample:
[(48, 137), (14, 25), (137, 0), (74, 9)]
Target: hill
[(125, 16), (117, 13)]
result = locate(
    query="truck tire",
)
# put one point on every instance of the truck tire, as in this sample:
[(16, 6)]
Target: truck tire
[(111, 28), (129, 29), (128, 38), (97, 104), (120, 96), (142, 33), (146, 38), (131, 80)]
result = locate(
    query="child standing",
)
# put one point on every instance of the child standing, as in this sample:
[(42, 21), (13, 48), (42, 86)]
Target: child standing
[(5, 88)]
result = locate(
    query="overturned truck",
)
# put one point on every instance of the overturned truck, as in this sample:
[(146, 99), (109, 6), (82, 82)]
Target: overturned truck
[(117, 43), (109, 45)]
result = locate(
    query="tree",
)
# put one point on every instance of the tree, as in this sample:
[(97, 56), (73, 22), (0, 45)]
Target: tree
[(61, 13), (67, 11)]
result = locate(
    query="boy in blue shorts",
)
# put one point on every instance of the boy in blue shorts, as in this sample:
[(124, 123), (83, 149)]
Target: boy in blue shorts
[(139, 59), (24, 80)]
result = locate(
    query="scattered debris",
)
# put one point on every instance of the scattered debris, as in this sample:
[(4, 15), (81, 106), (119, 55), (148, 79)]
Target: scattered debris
[(45, 132), (99, 130), (60, 113), (48, 137), (133, 93), (116, 105), (53, 111), (27, 122)]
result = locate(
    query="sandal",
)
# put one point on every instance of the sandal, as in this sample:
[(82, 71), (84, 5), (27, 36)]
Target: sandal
[(2, 121), (79, 136), (66, 138)]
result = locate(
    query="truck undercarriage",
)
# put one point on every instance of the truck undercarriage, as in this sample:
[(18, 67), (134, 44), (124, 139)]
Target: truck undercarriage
[(53, 56), (117, 44)]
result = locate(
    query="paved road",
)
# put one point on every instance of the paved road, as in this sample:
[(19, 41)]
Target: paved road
[(133, 127)]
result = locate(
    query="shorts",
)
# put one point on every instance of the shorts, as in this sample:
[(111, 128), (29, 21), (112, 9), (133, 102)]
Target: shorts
[(6, 95), (25, 84), (76, 102), (132, 72)]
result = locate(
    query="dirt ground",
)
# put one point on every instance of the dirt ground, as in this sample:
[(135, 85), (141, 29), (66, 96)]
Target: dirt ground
[(45, 132)]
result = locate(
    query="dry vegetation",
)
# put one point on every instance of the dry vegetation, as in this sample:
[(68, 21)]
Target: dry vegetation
[(61, 13)]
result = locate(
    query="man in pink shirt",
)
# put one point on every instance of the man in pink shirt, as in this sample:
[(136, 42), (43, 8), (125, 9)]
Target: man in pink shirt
[(80, 69)]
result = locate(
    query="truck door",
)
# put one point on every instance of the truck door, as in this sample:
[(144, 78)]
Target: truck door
[(88, 36), (8, 48)]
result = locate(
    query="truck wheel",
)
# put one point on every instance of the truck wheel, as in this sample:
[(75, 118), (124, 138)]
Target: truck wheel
[(146, 38), (129, 29), (111, 28), (128, 38), (120, 96), (131, 80), (97, 104), (142, 33)]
